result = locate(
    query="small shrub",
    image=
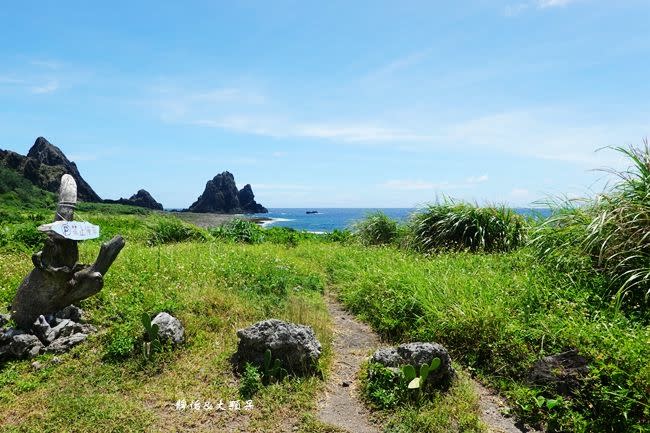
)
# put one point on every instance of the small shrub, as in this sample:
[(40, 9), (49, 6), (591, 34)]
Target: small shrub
[(383, 388), (376, 229), (119, 344), (340, 236), (251, 382), (169, 229), (461, 226), (26, 234), (239, 230)]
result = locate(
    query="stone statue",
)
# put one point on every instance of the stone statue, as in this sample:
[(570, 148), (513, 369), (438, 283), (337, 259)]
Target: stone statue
[(57, 280)]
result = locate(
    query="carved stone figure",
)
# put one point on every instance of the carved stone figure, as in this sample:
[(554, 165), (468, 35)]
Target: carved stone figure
[(57, 280)]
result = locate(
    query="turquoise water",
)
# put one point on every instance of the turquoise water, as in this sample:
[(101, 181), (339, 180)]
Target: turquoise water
[(329, 219)]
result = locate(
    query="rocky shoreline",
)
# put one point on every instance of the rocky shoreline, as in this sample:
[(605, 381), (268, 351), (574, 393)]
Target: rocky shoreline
[(209, 220)]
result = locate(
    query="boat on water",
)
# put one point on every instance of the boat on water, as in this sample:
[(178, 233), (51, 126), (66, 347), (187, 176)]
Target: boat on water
[(311, 212)]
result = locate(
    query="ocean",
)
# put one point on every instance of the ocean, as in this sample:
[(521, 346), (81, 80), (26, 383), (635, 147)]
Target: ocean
[(329, 219)]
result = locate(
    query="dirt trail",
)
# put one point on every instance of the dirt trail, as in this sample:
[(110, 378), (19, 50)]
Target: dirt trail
[(341, 406), (353, 341)]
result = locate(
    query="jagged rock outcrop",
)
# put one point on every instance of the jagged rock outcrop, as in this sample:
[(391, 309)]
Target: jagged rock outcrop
[(247, 201), (142, 199), (221, 196), (44, 166)]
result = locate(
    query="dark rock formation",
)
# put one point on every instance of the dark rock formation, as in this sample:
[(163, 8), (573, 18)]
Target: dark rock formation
[(417, 354), (44, 166), (221, 196), (52, 334), (294, 345), (563, 372), (247, 201), (142, 199)]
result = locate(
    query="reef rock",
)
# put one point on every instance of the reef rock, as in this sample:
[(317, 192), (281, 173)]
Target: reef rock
[(294, 345)]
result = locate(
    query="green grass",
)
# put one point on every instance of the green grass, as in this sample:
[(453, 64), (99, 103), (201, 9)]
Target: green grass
[(460, 226), (496, 313)]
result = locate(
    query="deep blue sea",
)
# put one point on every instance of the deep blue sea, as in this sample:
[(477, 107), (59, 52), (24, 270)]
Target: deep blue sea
[(329, 219)]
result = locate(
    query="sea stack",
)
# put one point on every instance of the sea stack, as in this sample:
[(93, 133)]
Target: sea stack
[(221, 196)]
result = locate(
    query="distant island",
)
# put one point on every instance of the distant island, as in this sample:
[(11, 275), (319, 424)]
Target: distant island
[(45, 163)]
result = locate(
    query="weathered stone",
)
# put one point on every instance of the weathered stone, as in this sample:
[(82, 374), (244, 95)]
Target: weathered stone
[(563, 372), (388, 357), (417, 354), (64, 344), (19, 344), (294, 345), (4, 319), (37, 365), (169, 328), (71, 313), (42, 330), (57, 280)]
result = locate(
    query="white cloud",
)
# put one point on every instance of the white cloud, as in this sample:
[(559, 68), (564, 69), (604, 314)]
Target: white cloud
[(10, 80), (282, 128), (515, 9), (553, 3), (411, 185), (416, 185), (282, 187), (48, 64), (397, 65), (49, 87), (519, 193), (477, 179)]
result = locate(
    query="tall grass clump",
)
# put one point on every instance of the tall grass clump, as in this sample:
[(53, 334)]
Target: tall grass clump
[(465, 227), (618, 237), (608, 236), (165, 230), (376, 229), (239, 230)]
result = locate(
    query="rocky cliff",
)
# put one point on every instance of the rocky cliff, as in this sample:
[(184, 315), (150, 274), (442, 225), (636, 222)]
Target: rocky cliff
[(44, 165), (221, 196), (142, 199)]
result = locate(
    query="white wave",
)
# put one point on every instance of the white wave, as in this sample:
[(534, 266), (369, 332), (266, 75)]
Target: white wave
[(274, 220)]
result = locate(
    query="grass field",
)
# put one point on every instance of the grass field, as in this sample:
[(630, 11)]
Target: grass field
[(496, 312)]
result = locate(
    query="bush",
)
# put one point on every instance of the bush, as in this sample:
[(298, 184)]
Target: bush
[(462, 226), (169, 229), (608, 236), (251, 382), (239, 230), (376, 229)]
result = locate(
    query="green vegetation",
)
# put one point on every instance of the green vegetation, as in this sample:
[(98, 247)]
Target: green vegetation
[(376, 229), (497, 303), (608, 236), (461, 226)]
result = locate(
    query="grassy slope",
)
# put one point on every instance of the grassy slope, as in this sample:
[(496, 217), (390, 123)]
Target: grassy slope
[(497, 313)]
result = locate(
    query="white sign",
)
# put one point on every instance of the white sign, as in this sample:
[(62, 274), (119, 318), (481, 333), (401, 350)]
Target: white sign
[(75, 230)]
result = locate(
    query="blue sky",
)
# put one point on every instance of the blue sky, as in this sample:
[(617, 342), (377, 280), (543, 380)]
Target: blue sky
[(337, 103)]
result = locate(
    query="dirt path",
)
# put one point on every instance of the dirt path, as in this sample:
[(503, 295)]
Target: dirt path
[(353, 341), (341, 407)]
